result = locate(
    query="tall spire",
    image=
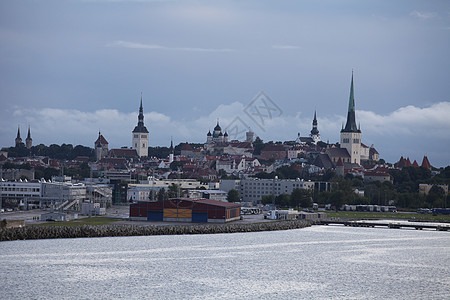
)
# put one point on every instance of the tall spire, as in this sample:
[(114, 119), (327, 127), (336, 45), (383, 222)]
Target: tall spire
[(314, 130), (29, 133), (350, 126), (29, 140), (140, 126), (18, 138)]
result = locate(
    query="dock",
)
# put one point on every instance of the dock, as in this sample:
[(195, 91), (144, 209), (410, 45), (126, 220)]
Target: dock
[(389, 224)]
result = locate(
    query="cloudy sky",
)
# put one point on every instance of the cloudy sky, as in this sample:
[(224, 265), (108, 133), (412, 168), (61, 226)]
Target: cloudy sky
[(71, 68)]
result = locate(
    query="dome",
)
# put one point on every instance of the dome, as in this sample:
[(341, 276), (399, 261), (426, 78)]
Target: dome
[(226, 134), (217, 128), (209, 133)]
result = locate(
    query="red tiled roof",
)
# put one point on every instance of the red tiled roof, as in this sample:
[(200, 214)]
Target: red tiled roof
[(101, 140), (426, 162), (123, 152), (273, 148), (186, 147)]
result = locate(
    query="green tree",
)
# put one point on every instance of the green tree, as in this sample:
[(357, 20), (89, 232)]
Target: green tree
[(172, 192), (267, 199), (301, 198), (162, 195), (436, 197), (233, 196), (282, 200)]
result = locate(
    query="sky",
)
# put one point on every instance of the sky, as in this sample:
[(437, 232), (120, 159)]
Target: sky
[(69, 69)]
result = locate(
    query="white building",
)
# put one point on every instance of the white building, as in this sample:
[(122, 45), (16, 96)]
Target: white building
[(13, 192), (252, 190)]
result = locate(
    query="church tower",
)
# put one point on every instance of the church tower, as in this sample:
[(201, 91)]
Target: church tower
[(101, 147), (171, 151), (29, 140), (18, 138), (350, 134), (140, 135), (314, 131)]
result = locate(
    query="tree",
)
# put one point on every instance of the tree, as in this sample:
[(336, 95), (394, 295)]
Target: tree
[(233, 196), (436, 196), (282, 200), (301, 198), (267, 199), (173, 190), (162, 195)]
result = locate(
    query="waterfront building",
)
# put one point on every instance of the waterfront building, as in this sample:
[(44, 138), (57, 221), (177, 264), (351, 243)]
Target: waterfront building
[(186, 210)]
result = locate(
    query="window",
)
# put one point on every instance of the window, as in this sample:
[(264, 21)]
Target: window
[(144, 136), (356, 141), (136, 136), (345, 140)]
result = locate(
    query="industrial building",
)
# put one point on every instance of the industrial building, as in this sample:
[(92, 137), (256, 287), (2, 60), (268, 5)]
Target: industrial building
[(186, 210)]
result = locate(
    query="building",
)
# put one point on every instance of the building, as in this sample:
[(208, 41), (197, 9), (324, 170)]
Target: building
[(140, 135), (101, 147), (252, 190), (351, 134), (209, 194), (370, 176), (186, 210), (13, 192), (274, 151), (314, 135), (424, 188), (29, 140), (18, 139)]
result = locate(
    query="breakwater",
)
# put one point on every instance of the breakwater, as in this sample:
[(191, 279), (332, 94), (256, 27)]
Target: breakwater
[(84, 231)]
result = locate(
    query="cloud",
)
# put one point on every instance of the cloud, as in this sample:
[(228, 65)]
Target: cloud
[(410, 130), (285, 47), (133, 45), (432, 121), (423, 15)]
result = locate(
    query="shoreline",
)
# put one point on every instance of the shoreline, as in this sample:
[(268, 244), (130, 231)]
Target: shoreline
[(115, 230)]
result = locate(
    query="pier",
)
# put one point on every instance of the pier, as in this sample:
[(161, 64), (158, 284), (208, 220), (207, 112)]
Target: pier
[(388, 223)]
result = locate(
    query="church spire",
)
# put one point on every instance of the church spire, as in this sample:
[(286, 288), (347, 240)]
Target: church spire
[(140, 126), (18, 133), (350, 126), (28, 140), (18, 138)]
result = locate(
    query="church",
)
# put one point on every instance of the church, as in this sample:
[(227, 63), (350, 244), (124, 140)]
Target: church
[(140, 135)]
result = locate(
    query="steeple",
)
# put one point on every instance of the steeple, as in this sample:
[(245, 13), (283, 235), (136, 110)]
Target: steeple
[(350, 126), (314, 130), (171, 154), (140, 134), (140, 126), (29, 140), (18, 138)]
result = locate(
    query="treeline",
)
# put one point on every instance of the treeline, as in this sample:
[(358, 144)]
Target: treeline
[(64, 151), (403, 192)]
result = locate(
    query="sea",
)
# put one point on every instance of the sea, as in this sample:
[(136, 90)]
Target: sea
[(319, 262)]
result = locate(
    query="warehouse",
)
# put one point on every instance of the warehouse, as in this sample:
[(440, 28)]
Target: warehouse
[(186, 210)]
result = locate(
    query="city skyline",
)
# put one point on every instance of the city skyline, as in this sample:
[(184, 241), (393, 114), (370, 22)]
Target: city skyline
[(71, 69)]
